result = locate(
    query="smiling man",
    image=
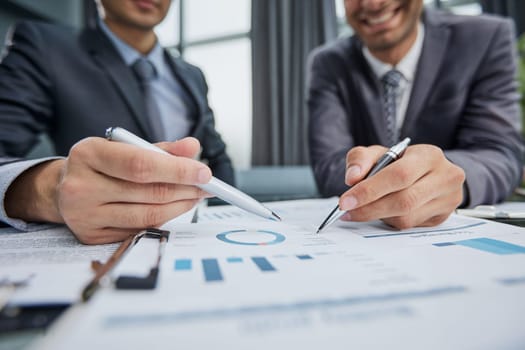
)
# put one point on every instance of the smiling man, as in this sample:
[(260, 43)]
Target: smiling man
[(448, 82), (75, 84)]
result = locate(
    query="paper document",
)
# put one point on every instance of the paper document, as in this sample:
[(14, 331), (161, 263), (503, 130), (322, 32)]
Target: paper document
[(52, 261), (56, 265), (238, 282)]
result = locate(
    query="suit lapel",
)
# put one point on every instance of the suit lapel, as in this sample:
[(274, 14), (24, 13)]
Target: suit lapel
[(432, 54), (108, 59), (195, 104), (367, 85)]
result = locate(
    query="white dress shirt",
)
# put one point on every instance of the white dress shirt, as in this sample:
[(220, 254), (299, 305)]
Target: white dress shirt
[(407, 67)]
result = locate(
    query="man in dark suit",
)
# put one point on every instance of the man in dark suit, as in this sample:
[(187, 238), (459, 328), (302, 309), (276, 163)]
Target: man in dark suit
[(453, 92), (75, 85)]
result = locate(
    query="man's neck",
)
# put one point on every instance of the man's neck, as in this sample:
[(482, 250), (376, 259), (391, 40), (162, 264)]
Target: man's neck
[(141, 40)]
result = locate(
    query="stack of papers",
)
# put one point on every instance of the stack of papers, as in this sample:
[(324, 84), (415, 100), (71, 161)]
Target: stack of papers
[(235, 281)]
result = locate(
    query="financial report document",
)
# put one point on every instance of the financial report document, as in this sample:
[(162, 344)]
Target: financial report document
[(50, 264), (235, 281)]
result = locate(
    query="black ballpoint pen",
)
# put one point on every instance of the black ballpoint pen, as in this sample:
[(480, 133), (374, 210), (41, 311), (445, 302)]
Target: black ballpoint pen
[(391, 155)]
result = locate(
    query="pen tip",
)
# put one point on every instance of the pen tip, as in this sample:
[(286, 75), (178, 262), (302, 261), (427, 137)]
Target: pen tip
[(276, 217), (319, 229), (109, 132)]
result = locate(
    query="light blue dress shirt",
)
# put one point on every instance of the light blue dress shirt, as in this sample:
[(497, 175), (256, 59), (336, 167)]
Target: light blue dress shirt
[(168, 93)]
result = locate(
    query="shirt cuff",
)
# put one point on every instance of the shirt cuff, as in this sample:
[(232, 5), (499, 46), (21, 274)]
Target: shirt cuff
[(8, 173)]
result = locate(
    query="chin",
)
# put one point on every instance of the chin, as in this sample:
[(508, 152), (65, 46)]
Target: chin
[(382, 44), (145, 22)]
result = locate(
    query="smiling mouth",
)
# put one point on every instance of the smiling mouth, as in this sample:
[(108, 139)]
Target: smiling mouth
[(146, 4), (379, 18)]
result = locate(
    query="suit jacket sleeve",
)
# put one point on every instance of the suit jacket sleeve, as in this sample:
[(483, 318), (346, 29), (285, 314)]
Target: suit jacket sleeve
[(489, 146), (25, 108), (213, 147), (329, 133), (26, 105)]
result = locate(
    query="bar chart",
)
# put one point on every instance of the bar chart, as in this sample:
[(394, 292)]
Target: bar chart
[(212, 271), (488, 245)]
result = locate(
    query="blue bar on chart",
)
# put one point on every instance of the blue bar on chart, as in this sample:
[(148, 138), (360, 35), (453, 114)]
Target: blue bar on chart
[(183, 264), (263, 264), (304, 257), (212, 271), (489, 245), (512, 281), (443, 244)]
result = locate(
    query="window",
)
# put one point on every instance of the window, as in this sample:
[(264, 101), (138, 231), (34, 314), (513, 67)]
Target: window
[(215, 36), (343, 28), (460, 7)]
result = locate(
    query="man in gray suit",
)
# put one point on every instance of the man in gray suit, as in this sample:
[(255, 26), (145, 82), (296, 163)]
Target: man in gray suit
[(451, 84), (75, 85)]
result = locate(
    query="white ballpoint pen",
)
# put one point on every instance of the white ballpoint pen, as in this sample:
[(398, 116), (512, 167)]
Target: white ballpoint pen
[(215, 186)]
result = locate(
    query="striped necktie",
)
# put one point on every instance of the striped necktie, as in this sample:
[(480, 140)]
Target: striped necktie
[(391, 86)]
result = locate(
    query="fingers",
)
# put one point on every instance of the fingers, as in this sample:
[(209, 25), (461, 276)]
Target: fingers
[(429, 215), (410, 207), (421, 188), (187, 147), (141, 215), (134, 164), (359, 161), (107, 189), (114, 222), (391, 205), (394, 177), (104, 235), (153, 193)]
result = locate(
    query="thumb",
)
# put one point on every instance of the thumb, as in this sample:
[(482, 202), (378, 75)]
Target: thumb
[(187, 147), (359, 161)]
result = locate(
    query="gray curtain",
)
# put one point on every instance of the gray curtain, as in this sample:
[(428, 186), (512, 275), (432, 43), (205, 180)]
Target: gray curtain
[(283, 33), (509, 8)]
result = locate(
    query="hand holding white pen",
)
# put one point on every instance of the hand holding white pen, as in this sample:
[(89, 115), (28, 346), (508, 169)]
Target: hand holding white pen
[(215, 186), (104, 191)]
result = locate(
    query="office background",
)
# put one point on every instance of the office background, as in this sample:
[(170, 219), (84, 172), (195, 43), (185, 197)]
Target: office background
[(253, 54)]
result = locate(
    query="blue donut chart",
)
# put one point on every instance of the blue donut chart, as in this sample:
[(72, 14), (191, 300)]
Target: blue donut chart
[(278, 238)]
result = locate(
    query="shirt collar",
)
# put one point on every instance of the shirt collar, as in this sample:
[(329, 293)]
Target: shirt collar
[(408, 64), (156, 56), (130, 55)]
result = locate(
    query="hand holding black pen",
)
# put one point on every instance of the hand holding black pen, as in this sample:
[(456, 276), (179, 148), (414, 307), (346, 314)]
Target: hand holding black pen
[(391, 155)]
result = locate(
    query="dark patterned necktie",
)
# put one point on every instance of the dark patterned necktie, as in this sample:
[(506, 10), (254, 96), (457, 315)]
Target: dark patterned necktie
[(391, 84), (145, 72)]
